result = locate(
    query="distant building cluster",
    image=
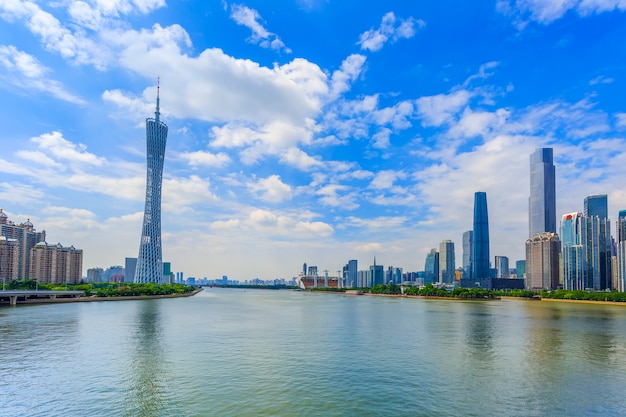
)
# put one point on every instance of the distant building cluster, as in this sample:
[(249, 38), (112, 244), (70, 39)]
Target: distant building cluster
[(583, 257), (25, 254)]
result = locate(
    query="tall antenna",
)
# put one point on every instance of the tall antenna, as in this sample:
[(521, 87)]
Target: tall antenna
[(157, 113)]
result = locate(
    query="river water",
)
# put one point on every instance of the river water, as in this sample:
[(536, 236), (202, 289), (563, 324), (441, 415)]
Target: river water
[(230, 352)]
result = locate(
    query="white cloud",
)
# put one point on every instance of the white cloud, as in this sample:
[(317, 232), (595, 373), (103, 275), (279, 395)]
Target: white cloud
[(390, 29), (75, 46), (56, 145), (26, 72), (336, 195), (202, 158), (439, 109), (271, 189), (251, 18), (547, 11)]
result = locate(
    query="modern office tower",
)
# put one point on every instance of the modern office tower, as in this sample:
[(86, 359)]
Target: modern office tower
[(27, 237), (312, 271), (597, 242), (377, 275), (167, 273), (502, 267), (542, 261), (363, 279), (304, 269), (446, 262), (542, 201), (468, 253), (573, 231), (130, 266), (56, 264), (9, 259), (351, 273), (149, 261), (480, 266), (621, 251), (431, 267), (393, 275), (95, 274), (520, 268)]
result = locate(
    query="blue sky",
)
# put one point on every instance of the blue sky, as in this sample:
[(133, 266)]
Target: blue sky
[(308, 130)]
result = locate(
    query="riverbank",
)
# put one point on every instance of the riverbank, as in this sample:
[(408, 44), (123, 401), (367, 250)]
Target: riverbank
[(452, 298), (597, 302), (88, 299)]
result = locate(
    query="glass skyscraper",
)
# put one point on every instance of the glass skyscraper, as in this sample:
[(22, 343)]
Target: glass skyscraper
[(598, 242), (573, 231), (542, 201), (468, 253), (480, 265), (621, 251), (431, 267), (447, 264), (149, 261)]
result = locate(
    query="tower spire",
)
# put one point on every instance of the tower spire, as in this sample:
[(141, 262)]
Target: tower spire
[(157, 113)]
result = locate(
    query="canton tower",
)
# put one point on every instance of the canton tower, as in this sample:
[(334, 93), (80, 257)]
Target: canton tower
[(149, 261)]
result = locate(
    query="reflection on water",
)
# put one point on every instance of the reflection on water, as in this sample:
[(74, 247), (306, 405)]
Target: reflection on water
[(147, 393)]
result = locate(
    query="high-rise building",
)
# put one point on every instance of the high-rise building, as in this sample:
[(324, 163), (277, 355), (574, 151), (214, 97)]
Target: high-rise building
[(542, 201), (502, 267), (621, 250), (480, 266), (56, 264), (350, 274), (130, 267), (95, 274), (377, 275), (446, 262), (520, 268), (393, 275), (150, 259), (431, 267), (468, 253), (9, 259), (598, 242), (26, 236), (542, 261), (573, 231)]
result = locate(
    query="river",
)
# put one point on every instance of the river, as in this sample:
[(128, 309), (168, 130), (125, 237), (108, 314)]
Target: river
[(231, 352)]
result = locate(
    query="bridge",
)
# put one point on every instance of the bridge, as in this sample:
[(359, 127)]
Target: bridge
[(22, 296)]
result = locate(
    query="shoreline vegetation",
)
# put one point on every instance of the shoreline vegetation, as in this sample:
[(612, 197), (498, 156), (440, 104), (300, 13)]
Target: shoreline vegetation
[(102, 291), (430, 291)]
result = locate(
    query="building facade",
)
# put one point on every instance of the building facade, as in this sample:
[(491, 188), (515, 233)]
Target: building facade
[(377, 274), (56, 264), (480, 265), (597, 243), (573, 231), (621, 250), (542, 261), (26, 236), (502, 267), (542, 200), (447, 264), (95, 274), (150, 259), (350, 274), (431, 267), (9, 259), (468, 253)]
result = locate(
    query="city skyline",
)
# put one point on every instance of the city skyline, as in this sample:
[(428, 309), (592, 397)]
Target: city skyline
[(313, 131)]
